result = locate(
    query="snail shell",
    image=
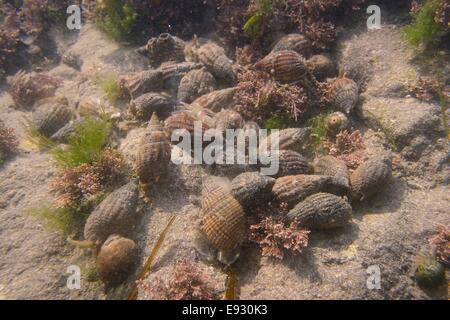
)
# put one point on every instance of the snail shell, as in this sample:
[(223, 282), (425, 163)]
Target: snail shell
[(322, 211), (293, 189), (154, 152), (296, 42), (116, 214), (116, 259), (68, 131), (216, 61), (292, 163), (215, 101), (371, 176), (331, 166), (223, 216), (51, 117), (228, 119), (164, 48), (180, 120), (252, 189), (174, 72), (321, 67), (343, 94), (286, 66), (289, 139), (336, 122), (144, 82), (147, 104), (195, 84)]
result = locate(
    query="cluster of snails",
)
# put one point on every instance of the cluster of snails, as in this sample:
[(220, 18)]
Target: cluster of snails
[(195, 83), (318, 196)]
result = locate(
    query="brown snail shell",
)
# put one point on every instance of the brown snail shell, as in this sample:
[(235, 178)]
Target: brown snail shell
[(195, 84), (65, 133), (180, 120), (322, 211), (173, 73), (51, 117), (296, 42), (336, 122), (293, 189), (321, 67), (252, 189), (343, 94), (223, 216), (216, 61), (331, 166), (286, 66), (293, 163), (228, 119), (144, 106), (371, 176), (143, 82), (116, 214), (116, 259), (154, 152), (164, 48), (215, 101), (289, 139)]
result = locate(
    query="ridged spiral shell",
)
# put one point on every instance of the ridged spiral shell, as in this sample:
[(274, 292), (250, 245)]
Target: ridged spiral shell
[(116, 214), (65, 133), (195, 84), (116, 259), (296, 42), (336, 122), (343, 94), (371, 176), (289, 139), (228, 119), (216, 61), (164, 48), (321, 67), (292, 163), (322, 211), (286, 66), (153, 152), (293, 189), (224, 221), (331, 166), (145, 105), (143, 82), (51, 117), (174, 72), (252, 189), (215, 101)]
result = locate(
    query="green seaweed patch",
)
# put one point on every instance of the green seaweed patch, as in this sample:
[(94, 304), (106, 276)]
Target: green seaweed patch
[(430, 273), (63, 220), (116, 18), (85, 145), (254, 27), (318, 131), (279, 122), (35, 137), (110, 86), (424, 29)]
